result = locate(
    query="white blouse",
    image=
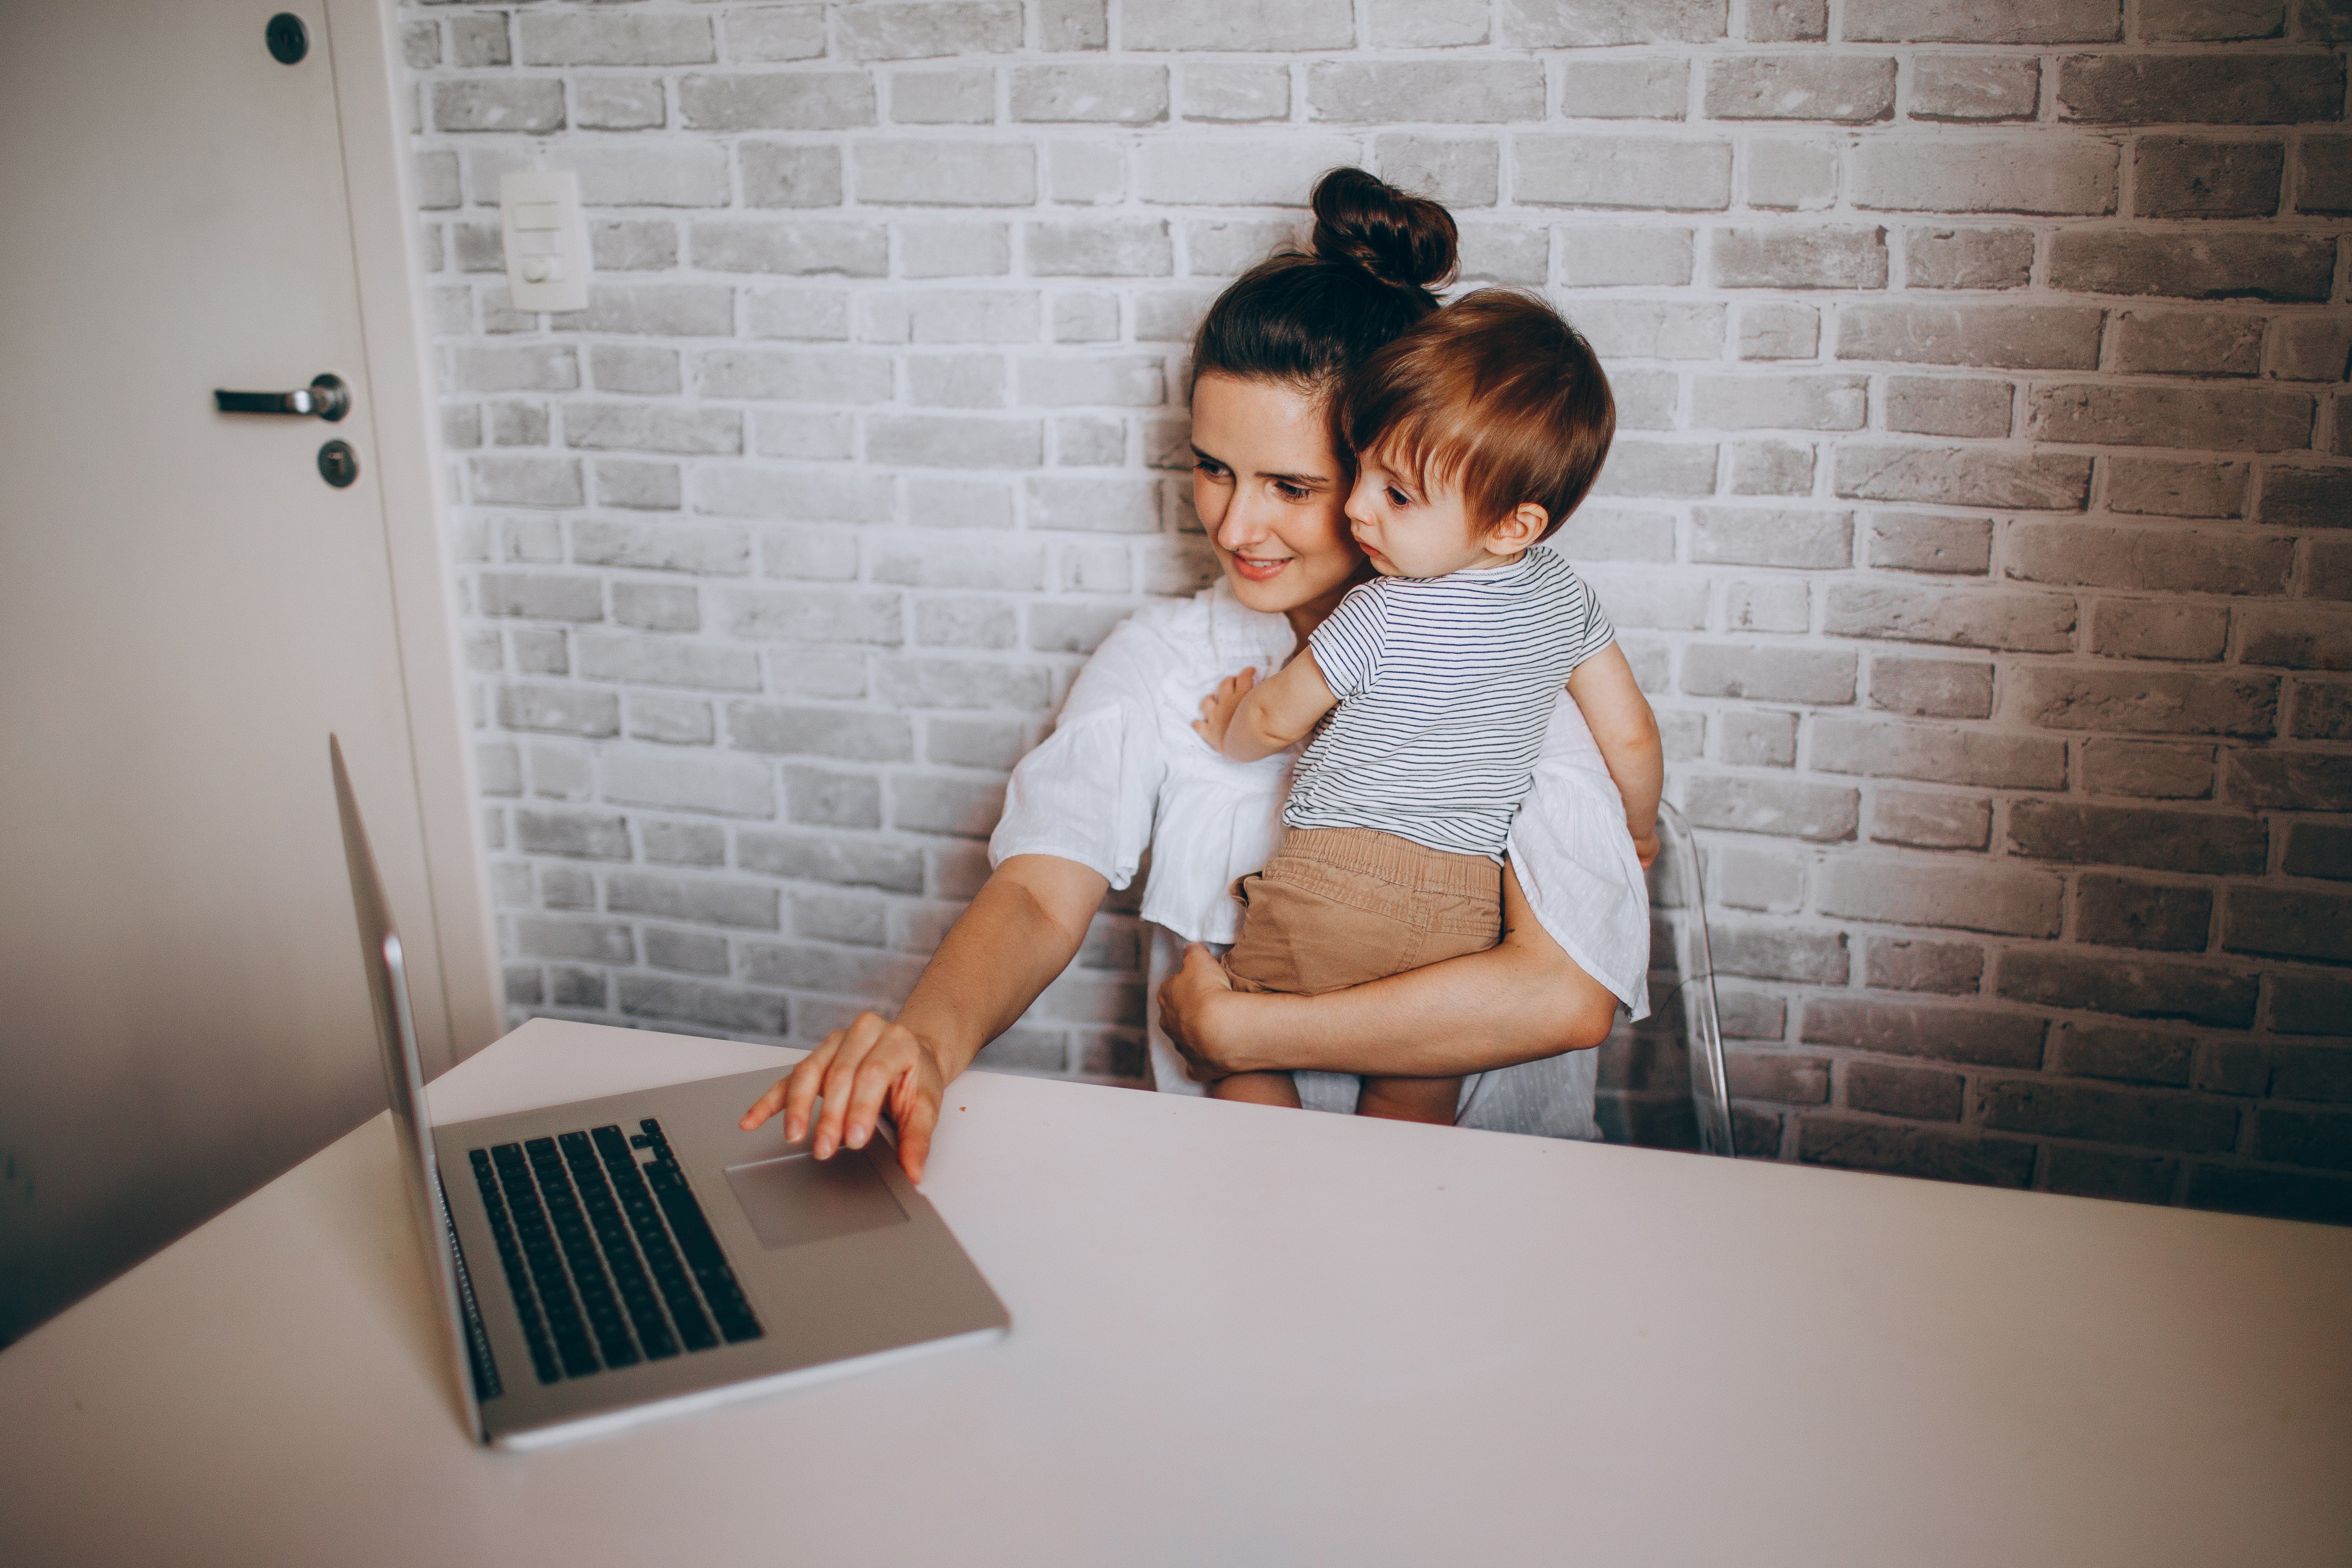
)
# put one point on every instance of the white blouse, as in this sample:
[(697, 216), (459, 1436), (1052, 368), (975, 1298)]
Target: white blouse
[(1123, 774)]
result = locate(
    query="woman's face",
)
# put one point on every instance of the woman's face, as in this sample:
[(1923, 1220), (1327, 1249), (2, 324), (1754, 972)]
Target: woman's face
[(1269, 490)]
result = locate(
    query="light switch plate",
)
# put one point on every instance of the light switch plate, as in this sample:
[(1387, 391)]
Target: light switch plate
[(546, 240)]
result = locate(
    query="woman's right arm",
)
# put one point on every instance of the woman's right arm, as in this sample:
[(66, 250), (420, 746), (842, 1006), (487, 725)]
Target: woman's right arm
[(1017, 935)]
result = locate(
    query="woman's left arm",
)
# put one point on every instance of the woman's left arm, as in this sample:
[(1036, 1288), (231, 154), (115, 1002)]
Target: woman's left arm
[(1519, 1000)]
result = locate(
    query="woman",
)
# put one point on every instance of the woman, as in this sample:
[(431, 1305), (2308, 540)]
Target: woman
[(1123, 774)]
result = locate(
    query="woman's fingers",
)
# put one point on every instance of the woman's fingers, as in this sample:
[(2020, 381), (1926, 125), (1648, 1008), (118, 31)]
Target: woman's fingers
[(766, 1106), (840, 1080), (805, 1082), (915, 1109), (877, 1076)]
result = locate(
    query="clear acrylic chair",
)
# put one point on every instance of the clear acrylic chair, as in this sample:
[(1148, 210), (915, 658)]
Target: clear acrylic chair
[(1702, 1030)]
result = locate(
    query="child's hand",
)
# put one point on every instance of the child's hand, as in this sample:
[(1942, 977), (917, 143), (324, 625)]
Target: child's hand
[(1218, 707), (1645, 847)]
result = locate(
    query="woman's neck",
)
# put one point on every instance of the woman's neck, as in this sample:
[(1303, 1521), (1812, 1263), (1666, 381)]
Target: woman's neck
[(1304, 619)]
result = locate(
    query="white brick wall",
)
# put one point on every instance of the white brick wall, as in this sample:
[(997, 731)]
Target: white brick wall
[(1979, 524)]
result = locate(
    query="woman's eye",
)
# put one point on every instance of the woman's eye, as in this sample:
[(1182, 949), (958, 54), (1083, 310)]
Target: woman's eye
[(1210, 467), (1290, 491)]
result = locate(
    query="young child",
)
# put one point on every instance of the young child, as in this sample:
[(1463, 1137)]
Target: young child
[(1477, 433)]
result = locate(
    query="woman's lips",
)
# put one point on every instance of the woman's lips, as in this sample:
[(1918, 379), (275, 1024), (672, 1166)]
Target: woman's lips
[(1259, 571)]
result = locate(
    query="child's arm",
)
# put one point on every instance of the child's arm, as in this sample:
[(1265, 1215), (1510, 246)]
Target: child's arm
[(1627, 733), (1246, 720)]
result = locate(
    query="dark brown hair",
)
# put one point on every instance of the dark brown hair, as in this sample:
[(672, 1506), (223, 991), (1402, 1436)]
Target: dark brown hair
[(1306, 318), (1495, 395)]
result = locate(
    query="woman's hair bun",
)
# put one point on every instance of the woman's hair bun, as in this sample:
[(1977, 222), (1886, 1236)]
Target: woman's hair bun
[(1398, 238)]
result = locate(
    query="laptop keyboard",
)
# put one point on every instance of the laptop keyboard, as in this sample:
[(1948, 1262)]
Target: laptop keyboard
[(610, 1259)]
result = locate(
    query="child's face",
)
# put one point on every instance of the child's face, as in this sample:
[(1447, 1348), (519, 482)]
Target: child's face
[(1408, 531)]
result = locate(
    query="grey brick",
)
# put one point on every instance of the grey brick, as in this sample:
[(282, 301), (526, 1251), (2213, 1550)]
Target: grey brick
[(1958, 894), (1580, 24), (2306, 497), (1815, 676), (781, 174), (1429, 24), (1238, 94), (966, 808), (2177, 176), (1776, 1076), (1757, 739), (540, 595), (2325, 182), (656, 309), (2150, 701), (766, 33), (1949, 968), (836, 858), (1630, 173), (2108, 1115), (889, 32), (1773, 606), (2228, 266), (2212, 19), (798, 101), (610, 38), (1283, 26), (692, 953), (818, 616), (529, 104), (2148, 769), (590, 835), (2313, 348), (701, 1002), (2114, 911), (2124, 1055), (1787, 21), (2322, 1072), (2235, 88), (1800, 539), (943, 97), (2306, 1138), (1459, 173), (1607, 534), (1792, 175), (2127, 628), (1958, 476), (671, 720), (719, 786), (1650, 330), (2289, 781), (2206, 842), (1939, 754), (1771, 469), (635, 368), (1778, 332), (958, 173), (1974, 88), (1849, 89), (1098, 247), (1111, 94), (1237, 171), (829, 797), (699, 901), (517, 367), (962, 683), (2048, 175), (2038, 623), (2309, 1005), (1072, 25), (2165, 487), (1928, 405), (593, 941), (1504, 253), (1935, 1153), (2246, 419), (2188, 342), (632, 245), (1426, 91), (1998, 22), (656, 606), (1624, 90), (789, 496), (1924, 819), (1935, 689), (1791, 808), (2007, 336), (2289, 924), (799, 375), (2147, 558), (1925, 1030), (1915, 1092), (1779, 402), (866, 976), (1968, 258), (650, 428), (1776, 952)]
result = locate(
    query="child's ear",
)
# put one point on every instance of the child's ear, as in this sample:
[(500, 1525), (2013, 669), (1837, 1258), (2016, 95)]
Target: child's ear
[(1521, 526)]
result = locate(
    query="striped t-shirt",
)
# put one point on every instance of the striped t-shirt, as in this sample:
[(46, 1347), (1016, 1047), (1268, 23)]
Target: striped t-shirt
[(1445, 687)]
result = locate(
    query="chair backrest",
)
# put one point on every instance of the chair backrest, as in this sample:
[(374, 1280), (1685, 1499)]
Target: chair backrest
[(1702, 1031)]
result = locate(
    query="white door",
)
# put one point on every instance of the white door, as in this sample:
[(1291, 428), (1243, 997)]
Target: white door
[(186, 609)]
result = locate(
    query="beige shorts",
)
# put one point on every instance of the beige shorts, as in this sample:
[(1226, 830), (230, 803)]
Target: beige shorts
[(1339, 906)]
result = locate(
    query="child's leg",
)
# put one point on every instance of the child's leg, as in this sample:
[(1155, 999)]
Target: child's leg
[(1411, 1098), (1259, 1089)]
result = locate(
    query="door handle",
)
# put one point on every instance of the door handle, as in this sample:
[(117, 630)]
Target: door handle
[(326, 396)]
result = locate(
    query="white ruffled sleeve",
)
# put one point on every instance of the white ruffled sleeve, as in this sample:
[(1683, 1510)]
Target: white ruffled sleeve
[(1088, 790), (1575, 858)]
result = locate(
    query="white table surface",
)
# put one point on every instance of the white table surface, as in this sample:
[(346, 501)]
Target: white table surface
[(1250, 1336)]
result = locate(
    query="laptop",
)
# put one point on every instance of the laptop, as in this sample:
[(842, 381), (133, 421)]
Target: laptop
[(611, 1261)]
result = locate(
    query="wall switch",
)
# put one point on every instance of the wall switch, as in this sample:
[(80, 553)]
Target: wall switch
[(547, 241)]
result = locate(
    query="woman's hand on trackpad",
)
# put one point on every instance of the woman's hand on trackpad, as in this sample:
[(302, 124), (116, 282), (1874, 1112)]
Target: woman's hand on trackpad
[(859, 1072)]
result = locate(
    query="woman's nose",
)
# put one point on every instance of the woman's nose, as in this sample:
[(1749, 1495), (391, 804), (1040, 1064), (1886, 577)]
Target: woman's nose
[(1241, 526)]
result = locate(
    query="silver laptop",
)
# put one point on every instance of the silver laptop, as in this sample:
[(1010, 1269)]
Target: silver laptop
[(613, 1260)]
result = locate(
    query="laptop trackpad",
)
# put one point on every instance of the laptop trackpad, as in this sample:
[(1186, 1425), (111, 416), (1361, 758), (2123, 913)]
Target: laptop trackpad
[(795, 1199)]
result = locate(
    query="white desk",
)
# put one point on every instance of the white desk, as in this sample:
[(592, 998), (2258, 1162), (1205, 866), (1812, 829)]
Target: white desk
[(1245, 1335)]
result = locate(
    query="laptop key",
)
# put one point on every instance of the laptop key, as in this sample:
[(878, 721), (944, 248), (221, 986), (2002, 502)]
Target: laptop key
[(636, 1292), (518, 1272), (729, 1308), (564, 1325), (669, 1275), (588, 1276)]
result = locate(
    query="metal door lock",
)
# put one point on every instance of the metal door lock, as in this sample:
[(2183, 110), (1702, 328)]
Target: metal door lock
[(326, 396), (338, 463)]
